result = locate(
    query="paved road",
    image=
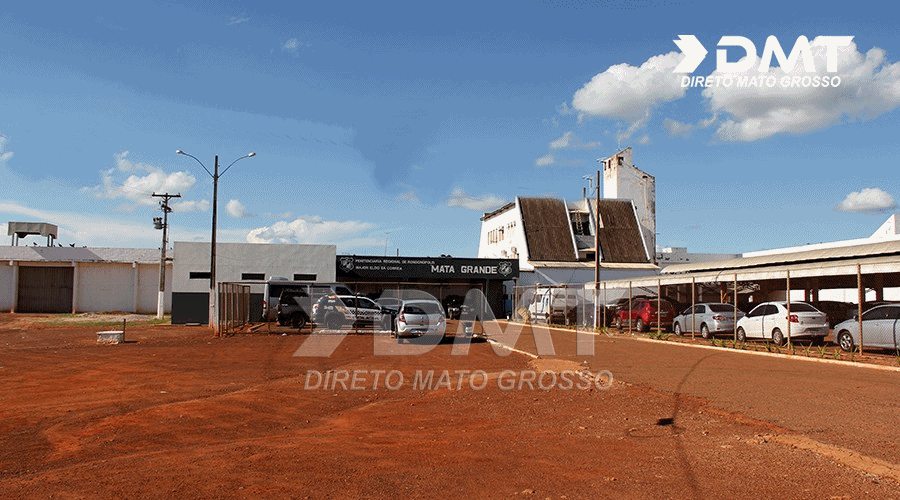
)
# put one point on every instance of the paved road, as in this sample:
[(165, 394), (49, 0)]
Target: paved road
[(853, 407)]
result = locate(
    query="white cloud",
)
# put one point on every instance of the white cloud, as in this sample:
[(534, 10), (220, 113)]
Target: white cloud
[(644, 140), (870, 87), (98, 230), (869, 200), (137, 189), (238, 20), (293, 45), (314, 229), (4, 156), (630, 94), (458, 198), (677, 129), (408, 196), (236, 209), (570, 140), (544, 161), (190, 206)]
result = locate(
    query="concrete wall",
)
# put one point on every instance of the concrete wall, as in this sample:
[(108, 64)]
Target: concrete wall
[(7, 287), (623, 180), (119, 286), (234, 259), (103, 287)]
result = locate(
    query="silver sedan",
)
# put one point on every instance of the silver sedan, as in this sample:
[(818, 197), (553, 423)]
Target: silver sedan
[(880, 329), (707, 318)]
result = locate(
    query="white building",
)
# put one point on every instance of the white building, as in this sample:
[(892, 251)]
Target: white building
[(242, 262), (71, 280), (622, 180)]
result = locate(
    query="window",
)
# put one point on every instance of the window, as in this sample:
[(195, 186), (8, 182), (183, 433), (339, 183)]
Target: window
[(581, 225), (253, 276), (198, 275), (304, 277)]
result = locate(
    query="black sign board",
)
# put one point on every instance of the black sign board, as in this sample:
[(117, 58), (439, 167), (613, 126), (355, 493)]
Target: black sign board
[(351, 267)]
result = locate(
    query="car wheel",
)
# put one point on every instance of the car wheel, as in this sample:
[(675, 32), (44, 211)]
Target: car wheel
[(677, 328), (334, 321), (704, 331), (777, 337), (618, 322), (640, 325), (298, 320), (845, 340), (282, 321), (741, 335)]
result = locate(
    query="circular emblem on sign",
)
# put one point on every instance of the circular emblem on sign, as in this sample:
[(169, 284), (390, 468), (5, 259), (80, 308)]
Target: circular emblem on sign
[(347, 264), (505, 268)]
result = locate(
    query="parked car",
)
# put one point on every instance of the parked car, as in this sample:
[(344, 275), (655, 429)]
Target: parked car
[(769, 320), (294, 306), (420, 317), (454, 306), (390, 303), (711, 318), (644, 315), (614, 306), (836, 311), (275, 287), (337, 311), (880, 329)]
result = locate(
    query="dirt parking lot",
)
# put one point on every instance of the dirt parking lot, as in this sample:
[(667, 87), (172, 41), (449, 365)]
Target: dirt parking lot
[(177, 413)]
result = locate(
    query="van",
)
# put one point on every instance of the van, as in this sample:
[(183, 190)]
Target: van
[(555, 305)]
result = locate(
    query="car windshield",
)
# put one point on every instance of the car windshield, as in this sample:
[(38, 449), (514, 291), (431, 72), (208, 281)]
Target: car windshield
[(720, 308), (423, 308)]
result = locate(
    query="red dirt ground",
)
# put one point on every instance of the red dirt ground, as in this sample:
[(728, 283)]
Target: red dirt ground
[(177, 413)]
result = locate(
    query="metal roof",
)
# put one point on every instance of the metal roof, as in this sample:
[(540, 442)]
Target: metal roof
[(881, 248), (82, 254)]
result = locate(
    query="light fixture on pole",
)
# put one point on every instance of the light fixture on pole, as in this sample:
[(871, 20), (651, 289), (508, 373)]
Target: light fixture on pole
[(213, 317)]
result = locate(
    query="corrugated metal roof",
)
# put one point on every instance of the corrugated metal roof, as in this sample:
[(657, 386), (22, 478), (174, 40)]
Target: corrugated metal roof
[(821, 255), (69, 254), (620, 234), (547, 230)]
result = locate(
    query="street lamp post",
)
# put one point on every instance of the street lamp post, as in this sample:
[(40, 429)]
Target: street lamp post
[(213, 317)]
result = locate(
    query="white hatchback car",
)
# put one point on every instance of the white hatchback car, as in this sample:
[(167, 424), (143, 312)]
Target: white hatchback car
[(769, 320), (419, 317)]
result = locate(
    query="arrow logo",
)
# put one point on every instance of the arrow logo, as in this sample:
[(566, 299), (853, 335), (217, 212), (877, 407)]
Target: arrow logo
[(694, 53)]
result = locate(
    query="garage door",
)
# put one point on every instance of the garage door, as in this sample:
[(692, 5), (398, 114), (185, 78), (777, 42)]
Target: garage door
[(45, 289)]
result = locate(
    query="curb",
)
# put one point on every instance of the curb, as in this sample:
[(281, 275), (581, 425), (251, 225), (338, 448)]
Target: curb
[(855, 364)]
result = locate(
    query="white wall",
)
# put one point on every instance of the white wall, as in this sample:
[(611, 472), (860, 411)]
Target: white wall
[(628, 182), (503, 249), (234, 259), (7, 287)]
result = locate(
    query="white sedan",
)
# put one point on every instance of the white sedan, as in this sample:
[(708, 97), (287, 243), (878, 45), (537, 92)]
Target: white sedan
[(769, 320)]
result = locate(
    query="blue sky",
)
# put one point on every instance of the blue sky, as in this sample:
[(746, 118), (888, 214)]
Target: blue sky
[(395, 125)]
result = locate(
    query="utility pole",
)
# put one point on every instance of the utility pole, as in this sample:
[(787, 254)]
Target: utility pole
[(597, 257), (164, 225)]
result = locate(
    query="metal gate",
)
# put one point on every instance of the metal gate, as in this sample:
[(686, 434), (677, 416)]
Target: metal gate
[(45, 289)]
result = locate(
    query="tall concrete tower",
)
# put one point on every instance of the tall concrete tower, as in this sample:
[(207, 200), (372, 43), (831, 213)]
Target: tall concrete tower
[(621, 179)]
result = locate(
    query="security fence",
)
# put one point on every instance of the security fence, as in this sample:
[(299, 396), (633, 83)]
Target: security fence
[(563, 304), (233, 307)]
